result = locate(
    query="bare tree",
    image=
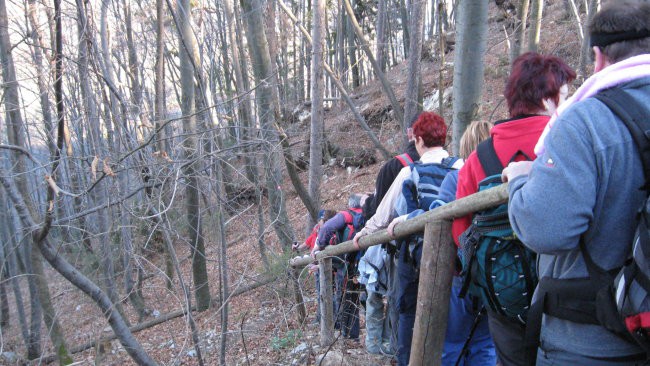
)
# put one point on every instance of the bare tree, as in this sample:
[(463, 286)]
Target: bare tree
[(188, 103), (16, 136)]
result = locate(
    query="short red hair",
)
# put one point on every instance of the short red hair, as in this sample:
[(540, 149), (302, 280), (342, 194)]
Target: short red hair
[(533, 78), (431, 128)]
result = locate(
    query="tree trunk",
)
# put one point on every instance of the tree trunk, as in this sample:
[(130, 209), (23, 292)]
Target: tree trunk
[(268, 110), (519, 35), (412, 106), (404, 17), (188, 102), (592, 7), (316, 134), (382, 18), (536, 24), (468, 65), (16, 136)]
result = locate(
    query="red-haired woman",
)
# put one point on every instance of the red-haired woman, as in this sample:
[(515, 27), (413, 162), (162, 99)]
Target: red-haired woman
[(536, 86), (430, 132)]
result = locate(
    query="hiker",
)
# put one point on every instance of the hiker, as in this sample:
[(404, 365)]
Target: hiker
[(340, 228), (536, 86), (430, 132), (576, 204), (309, 244), (381, 319)]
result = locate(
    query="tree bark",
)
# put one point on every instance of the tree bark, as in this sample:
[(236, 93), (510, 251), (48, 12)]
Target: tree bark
[(413, 96), (404, 17), (382, 18), (268, 110), (519, 37), (316, 131), (16, 136), (188, 102), (468, 65), (536, 24)]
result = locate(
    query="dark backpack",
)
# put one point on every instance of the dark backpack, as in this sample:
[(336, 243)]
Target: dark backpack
[(496, 266), (420, 192), (619, 299), (404, 159)]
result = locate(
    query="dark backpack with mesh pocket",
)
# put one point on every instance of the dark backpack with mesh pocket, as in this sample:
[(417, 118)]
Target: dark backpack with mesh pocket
[(496, 266)]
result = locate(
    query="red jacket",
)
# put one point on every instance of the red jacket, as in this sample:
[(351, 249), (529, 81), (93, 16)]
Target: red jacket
[(508, 136), (311, 239)]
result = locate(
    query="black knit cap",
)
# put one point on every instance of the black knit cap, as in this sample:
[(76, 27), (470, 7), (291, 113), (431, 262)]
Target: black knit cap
[(605, 39)]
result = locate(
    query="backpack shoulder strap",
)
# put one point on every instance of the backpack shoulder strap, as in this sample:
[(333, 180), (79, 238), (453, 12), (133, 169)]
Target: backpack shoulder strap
[(448, 162), (488, 158), (405, 159), (348, 217), (636, 118)]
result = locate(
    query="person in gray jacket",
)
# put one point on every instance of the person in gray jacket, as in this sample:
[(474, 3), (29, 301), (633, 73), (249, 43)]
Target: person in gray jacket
[(583, 188)]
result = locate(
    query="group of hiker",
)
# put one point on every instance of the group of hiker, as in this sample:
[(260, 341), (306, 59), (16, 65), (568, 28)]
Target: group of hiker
[(559, 274)]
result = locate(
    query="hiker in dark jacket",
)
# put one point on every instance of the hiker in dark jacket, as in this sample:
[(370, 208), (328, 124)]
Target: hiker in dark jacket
[(381, 320), (346, 298), (389, 171)]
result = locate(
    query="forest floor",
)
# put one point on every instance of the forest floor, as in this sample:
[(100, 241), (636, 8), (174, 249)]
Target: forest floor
[(263, 328)]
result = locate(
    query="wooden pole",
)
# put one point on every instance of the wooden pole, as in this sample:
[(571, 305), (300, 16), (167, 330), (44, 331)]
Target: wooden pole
[(326, 302), (300, 302), (476, 202), (436, 271)]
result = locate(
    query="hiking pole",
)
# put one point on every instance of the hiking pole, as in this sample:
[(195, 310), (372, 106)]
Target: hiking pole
[(464, 350)]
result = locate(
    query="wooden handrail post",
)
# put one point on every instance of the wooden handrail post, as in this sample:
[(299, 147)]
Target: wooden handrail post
[(297, 293), (326, 302), (436, 271)]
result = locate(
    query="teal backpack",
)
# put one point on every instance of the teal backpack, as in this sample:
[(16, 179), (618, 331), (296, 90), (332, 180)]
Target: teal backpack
[(496, 266)]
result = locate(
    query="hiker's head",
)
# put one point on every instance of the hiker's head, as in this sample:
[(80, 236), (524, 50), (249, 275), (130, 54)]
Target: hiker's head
[(537, 84), (619, 31), (367, 207), (429, 130), (325, 215), (356, 200), (476, 132)]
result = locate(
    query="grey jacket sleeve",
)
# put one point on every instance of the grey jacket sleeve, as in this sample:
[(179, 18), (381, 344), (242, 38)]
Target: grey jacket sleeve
[(552, 207)]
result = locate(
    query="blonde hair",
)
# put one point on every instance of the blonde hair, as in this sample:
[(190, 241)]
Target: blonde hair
[(476, 132)]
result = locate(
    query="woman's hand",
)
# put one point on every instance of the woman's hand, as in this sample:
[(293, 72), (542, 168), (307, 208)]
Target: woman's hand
[(356, 238), (516, 169), (391, 227)]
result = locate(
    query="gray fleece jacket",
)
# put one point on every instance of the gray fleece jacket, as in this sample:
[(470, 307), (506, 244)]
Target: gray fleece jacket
[(586, 183)]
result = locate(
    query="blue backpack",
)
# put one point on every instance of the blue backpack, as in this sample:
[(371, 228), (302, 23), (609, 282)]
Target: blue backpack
[(496, 266), (419, 192)]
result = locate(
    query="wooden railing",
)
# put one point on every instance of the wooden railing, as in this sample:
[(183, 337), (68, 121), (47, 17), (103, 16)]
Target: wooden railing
[(436, 271)]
